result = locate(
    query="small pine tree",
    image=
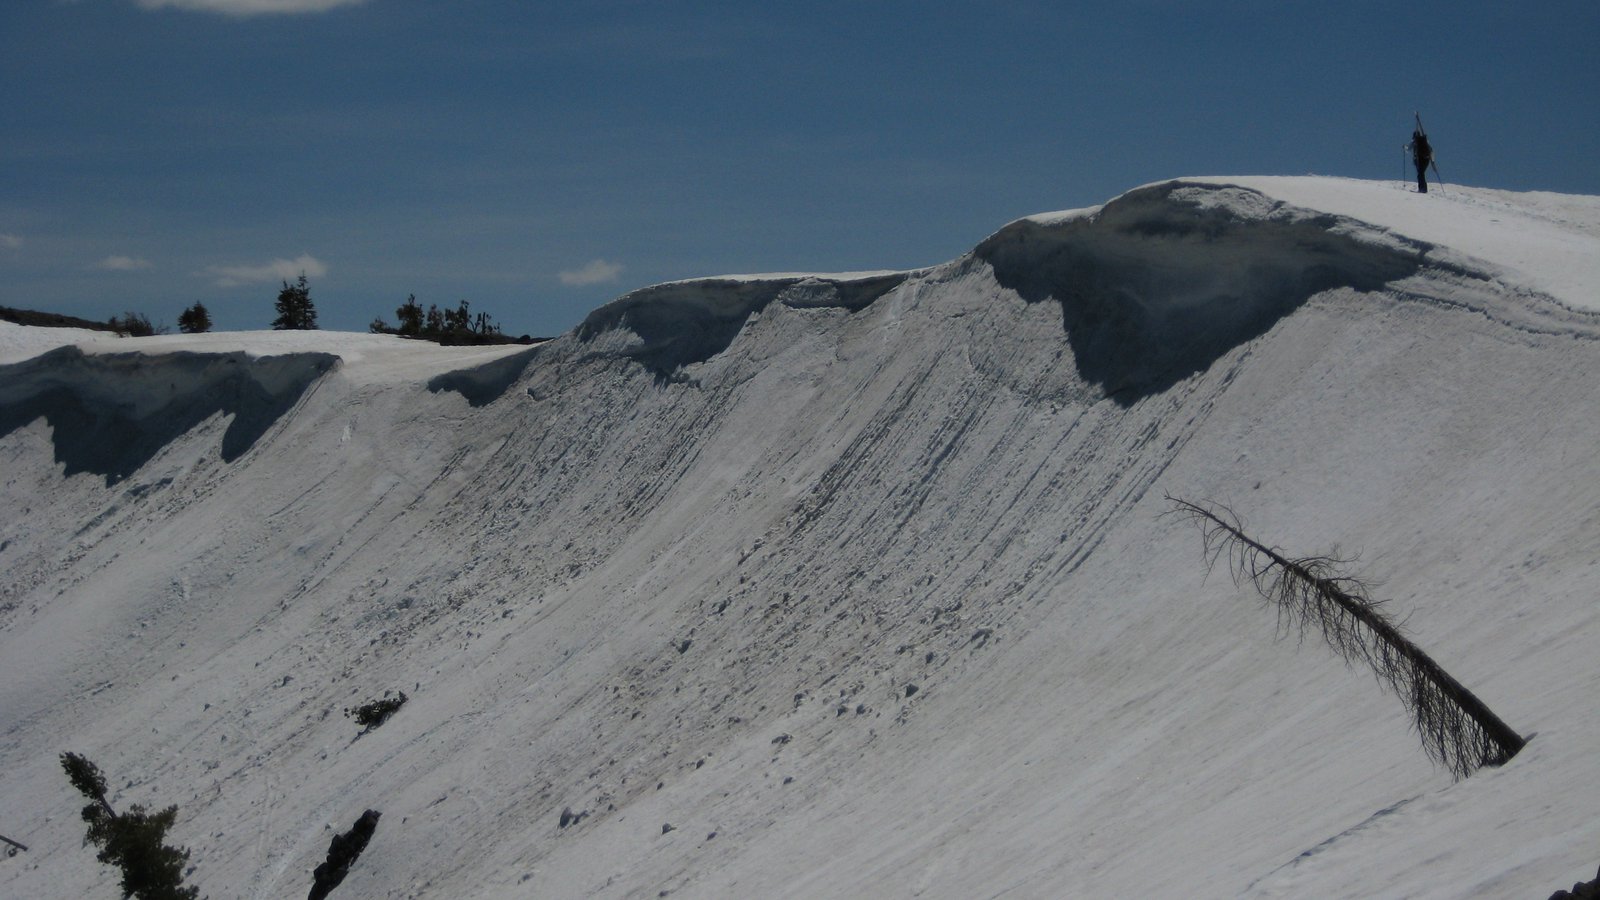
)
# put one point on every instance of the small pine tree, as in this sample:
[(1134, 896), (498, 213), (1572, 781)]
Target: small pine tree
[(296, 312), (409, 316), (133, 841), (86, 777), (195, 320)]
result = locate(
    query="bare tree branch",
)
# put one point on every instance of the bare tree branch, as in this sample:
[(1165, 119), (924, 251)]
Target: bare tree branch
[(1457, 730)]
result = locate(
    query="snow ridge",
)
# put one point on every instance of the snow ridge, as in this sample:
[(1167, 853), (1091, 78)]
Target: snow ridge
[(862, 584)]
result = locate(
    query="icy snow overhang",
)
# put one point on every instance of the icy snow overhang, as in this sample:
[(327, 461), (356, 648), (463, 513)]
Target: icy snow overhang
[(1162, 281), (112, 403), (680, 323), (110, 413)]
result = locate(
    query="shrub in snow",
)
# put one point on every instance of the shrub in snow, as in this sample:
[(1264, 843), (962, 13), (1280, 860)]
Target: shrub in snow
[(343, 851), (131, 841), (1583, 890), (371, 715), (134, 324)]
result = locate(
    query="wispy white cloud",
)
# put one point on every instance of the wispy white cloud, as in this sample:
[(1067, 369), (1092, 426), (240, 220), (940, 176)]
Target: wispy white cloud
[(596, 271), (122, 264), (10, 242), (243, 8), (277, 270)]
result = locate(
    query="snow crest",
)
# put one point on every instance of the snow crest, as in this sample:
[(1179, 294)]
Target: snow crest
[(861, 584)]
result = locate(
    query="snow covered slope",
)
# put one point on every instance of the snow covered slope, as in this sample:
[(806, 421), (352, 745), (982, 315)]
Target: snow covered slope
[(859, 583)]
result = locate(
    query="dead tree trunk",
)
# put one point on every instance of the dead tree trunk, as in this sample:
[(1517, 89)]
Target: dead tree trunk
[(1457, 730)]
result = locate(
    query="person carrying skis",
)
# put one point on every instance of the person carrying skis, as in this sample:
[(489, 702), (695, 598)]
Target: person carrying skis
[(1421, 155)]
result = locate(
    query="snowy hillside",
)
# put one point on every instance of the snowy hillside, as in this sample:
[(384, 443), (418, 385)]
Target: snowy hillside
[(860, 583)]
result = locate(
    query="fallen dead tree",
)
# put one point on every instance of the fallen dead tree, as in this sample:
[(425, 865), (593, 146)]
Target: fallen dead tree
[(1457, 730)]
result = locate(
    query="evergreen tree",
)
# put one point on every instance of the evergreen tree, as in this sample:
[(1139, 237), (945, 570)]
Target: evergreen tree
[(195, 320), (86, 777), (409, 316), (295, 309), (132, 841)]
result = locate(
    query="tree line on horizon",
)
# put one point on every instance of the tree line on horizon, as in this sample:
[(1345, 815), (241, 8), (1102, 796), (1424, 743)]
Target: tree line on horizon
[(446, 326), (297, 312)]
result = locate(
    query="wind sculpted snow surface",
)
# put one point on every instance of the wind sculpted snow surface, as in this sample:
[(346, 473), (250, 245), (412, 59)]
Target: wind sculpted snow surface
[(861, 584)]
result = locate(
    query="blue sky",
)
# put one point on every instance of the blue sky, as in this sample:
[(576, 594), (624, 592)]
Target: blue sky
[(539, 159)]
